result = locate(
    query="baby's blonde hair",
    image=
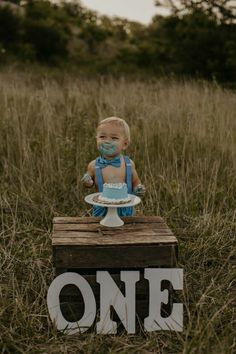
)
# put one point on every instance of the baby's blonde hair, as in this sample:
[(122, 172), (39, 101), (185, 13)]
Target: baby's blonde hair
[(120, 122)]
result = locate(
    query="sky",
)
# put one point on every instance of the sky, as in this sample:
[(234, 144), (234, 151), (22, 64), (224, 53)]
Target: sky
[(136, 10)]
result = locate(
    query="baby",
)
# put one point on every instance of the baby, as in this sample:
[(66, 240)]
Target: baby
[(113, 138)]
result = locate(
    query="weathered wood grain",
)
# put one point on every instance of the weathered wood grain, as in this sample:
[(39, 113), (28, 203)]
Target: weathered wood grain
[(114, 233), (95, 227), (84, 243), (144, 238), (119, 256)]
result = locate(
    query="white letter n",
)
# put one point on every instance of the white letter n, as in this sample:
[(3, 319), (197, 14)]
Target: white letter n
[(110, 295)]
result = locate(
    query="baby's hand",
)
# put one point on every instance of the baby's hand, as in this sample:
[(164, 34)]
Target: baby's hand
[(87, 180), (139, 190)]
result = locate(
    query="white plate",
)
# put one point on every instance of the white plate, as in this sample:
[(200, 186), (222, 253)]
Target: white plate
[(134, 201)]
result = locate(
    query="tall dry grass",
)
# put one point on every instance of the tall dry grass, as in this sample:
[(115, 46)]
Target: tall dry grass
[(184, 146)]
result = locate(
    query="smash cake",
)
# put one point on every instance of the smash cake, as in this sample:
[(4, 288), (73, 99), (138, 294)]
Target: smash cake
[(114, 193)]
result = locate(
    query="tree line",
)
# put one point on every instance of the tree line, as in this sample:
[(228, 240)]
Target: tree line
[(197, 39)]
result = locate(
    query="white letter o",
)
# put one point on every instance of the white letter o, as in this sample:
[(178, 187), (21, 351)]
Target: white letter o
[(53, 303)]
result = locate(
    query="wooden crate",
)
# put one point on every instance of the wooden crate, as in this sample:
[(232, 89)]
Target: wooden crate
[(84, 246)]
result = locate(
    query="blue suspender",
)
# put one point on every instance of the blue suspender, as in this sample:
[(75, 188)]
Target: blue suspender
[(128, 178), (99, 178)]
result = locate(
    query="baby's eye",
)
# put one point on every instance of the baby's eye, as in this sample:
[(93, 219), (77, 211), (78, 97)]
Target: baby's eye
[(101, 136), (115, 138)]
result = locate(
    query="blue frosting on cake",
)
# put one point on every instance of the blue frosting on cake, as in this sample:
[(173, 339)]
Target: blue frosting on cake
[(115, 192)]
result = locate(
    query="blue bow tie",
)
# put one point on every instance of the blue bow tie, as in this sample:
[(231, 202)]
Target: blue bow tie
[(101, 162)]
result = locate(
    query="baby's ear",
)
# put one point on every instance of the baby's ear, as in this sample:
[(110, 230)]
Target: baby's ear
[(126, 144)]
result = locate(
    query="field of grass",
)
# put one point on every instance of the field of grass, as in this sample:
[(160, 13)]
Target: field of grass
[(184, 146)]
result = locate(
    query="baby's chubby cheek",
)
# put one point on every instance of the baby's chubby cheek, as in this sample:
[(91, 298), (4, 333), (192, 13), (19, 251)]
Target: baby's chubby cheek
[(107, 148)]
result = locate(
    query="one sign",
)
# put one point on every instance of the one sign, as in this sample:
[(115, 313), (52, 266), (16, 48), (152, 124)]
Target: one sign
[(110, 295)]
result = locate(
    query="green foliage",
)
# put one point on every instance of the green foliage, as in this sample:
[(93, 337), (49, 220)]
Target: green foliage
[(46, 31), (48, 41), (198, 39), (223, 10), (10, 27), (194, 45)]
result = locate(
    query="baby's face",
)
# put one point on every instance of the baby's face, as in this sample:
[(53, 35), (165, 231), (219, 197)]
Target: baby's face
[(111, 139)]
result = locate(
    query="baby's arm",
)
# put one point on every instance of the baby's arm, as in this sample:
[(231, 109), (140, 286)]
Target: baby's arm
[(138, 188), (88, 178)]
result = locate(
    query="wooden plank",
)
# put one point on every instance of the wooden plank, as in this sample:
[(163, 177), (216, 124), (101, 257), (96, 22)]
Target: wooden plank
[(119, 256), (98, 227), (110, 240), (90, 219), (76, 220), (142, 219), (134, 232), (115, 234)]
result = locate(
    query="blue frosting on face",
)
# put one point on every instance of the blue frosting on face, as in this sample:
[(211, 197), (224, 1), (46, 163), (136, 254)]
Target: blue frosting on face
[(107, 149)]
